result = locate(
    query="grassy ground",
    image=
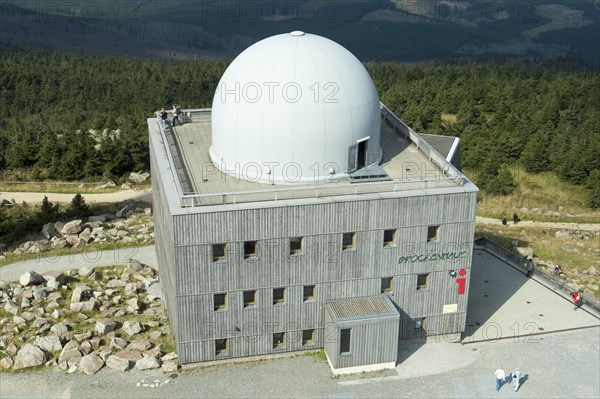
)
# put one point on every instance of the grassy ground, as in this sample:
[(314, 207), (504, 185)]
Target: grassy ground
[(96, 209), (544, 191), (56, 187), (74, 250), (448, 119)]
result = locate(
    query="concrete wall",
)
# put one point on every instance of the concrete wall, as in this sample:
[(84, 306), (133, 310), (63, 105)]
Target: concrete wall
[(163, 235)]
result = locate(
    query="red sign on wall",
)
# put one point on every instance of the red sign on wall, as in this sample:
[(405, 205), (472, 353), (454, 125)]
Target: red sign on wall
[(461, 281)]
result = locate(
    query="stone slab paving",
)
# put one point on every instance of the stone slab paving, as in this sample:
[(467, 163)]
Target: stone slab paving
[(547, 366), (504, 304)]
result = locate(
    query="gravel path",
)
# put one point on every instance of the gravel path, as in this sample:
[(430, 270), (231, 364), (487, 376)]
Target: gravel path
[(146, 255), (118, 196), (548, 225), (545, 364)]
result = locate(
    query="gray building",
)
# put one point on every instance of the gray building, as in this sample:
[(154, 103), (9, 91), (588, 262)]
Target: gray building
[(269, 256)]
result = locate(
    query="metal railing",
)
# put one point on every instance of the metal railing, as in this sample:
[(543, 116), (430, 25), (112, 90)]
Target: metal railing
[(161, 128), (449, 173), (431, 153)]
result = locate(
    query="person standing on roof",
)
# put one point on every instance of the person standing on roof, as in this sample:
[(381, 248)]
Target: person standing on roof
[(175, 114)]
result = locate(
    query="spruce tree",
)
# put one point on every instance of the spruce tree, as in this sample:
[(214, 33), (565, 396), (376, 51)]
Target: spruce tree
[(48, 212), (78, 208)]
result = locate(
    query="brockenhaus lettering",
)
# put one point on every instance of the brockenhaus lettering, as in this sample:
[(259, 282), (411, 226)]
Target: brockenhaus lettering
[(430, 257)]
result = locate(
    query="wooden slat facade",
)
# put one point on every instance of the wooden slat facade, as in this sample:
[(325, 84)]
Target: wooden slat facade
[(336, 273), (373, 325)]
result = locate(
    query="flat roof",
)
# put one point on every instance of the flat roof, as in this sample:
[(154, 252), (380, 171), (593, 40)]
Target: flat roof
[(409, 162), (361, 308)]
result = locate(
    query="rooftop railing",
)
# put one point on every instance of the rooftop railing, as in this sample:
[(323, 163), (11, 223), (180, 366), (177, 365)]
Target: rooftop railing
[(449, 176), (163, 133)]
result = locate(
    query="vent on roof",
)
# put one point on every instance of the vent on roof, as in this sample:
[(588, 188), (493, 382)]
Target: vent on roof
[(369, 174)]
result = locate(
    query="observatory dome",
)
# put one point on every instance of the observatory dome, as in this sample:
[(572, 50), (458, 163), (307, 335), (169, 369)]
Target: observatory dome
[(292, 108)]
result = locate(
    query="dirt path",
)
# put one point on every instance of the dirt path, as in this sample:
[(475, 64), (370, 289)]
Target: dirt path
[(118, 196), (548, 225), (101, 257), (146, 196)]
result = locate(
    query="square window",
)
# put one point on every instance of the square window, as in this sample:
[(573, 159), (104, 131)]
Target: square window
[(296, 245), (220, 301), (389, 238), (279, 340), (308, 337), (432, 233), (420, 323), (249, 249), (348, 241), (345, 340), (221, 347), (278, 296), (386, 285), (249, 299), (309, 293), (422, 281), (219, 252)]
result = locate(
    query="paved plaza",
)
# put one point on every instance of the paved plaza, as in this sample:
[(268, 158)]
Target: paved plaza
[(512, 321)]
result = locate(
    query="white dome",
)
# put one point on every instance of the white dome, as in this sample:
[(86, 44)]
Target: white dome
[(292, 108)]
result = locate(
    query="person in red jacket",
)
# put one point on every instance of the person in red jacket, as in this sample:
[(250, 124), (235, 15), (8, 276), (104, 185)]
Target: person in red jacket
[(577, 298)]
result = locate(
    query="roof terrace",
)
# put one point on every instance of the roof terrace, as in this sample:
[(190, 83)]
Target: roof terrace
[(409, 163)]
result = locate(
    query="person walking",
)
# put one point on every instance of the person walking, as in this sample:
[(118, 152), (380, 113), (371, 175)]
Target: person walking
[(530, 267), (578, 299), (516, 378), (500, 376), (557, 270), (515, 218)]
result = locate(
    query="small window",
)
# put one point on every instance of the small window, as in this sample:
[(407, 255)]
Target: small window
[(249, 299), (348, 241), (308, 337), (220, 301), (422, 281), (278, 296), (219, 252), (432, 233), (279, 340), (420, 324), (296, 245), (309, 293), (249, 249), (221, 347), (345, 340), (386, 285), (389, 238)]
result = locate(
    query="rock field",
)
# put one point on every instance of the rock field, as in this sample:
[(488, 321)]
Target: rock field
[(84, 320)]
